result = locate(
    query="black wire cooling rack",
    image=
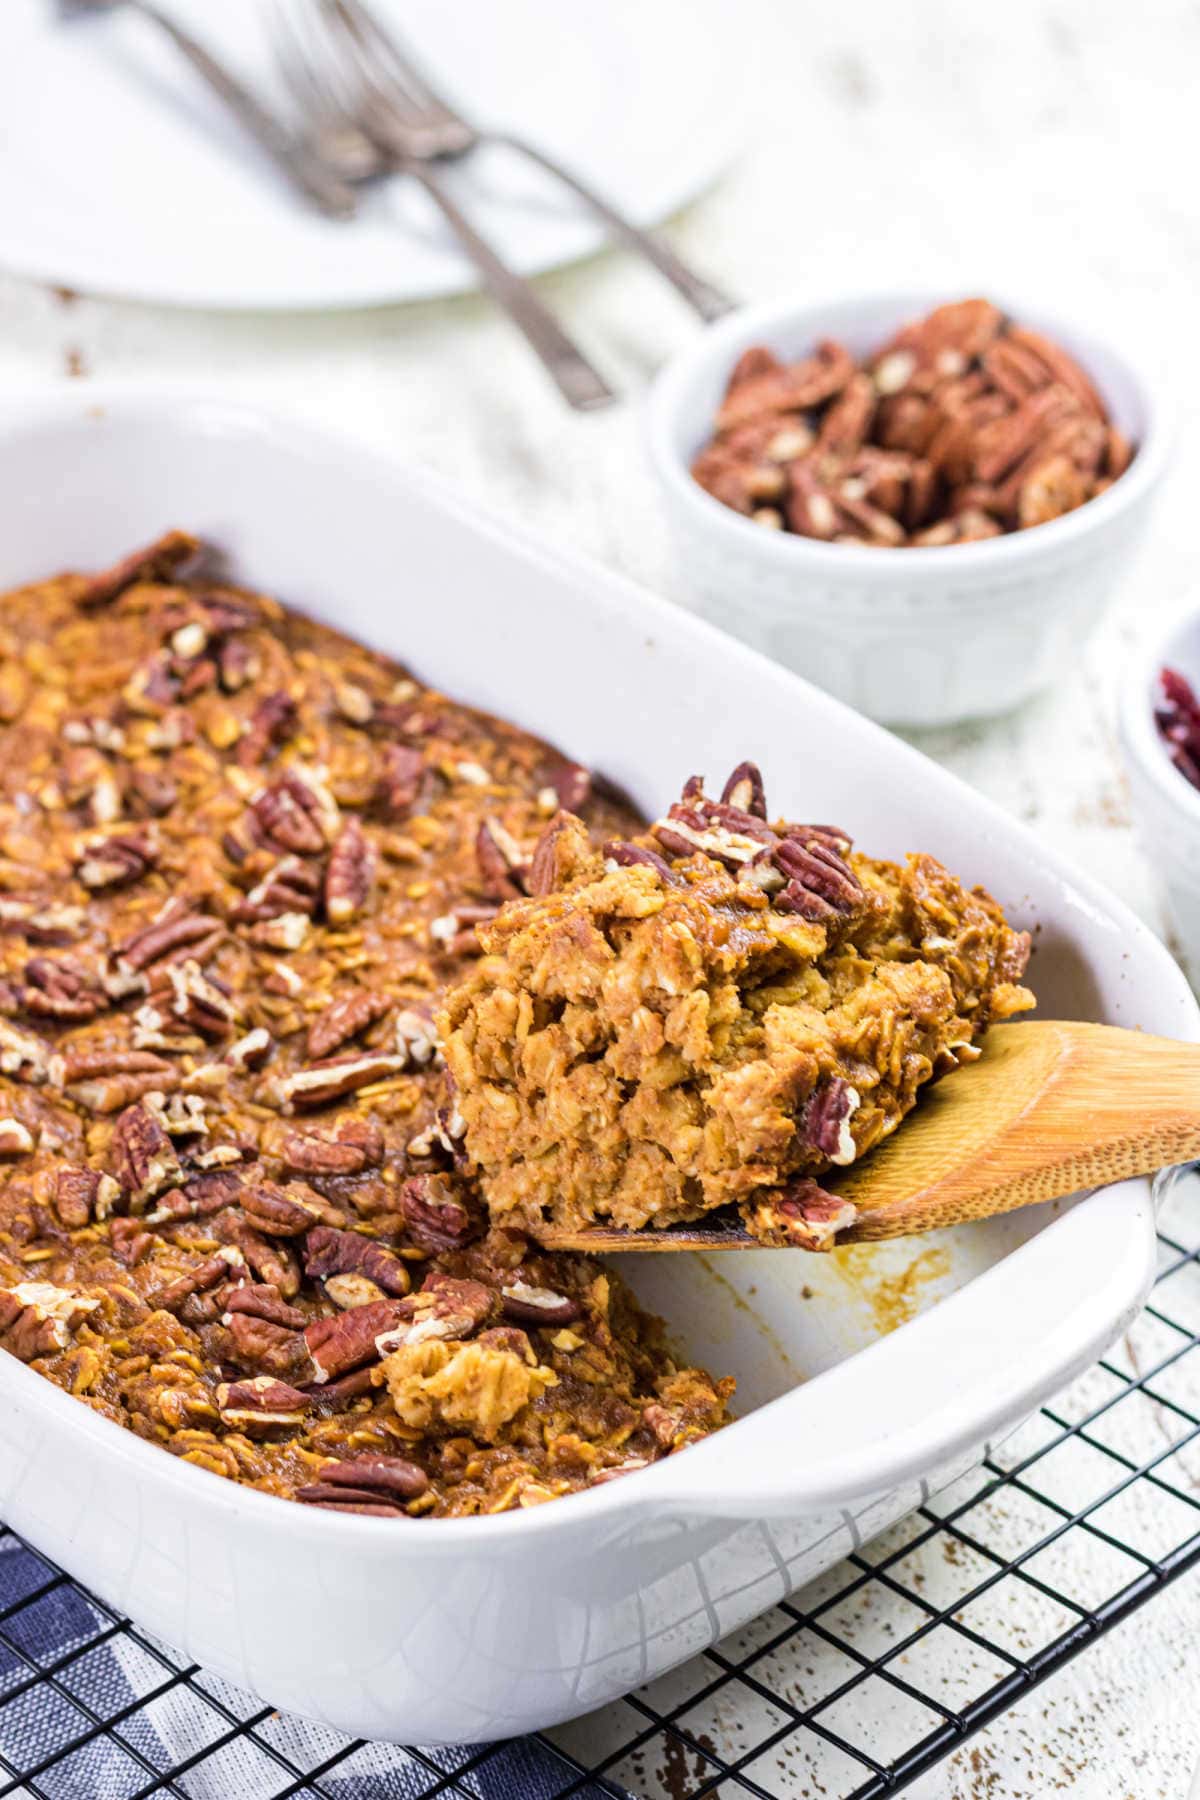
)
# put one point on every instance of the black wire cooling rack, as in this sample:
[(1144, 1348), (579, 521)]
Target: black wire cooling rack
[(852, 1688)]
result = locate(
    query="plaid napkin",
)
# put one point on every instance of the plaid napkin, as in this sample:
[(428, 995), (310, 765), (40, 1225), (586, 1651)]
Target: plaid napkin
[(93, 1710)]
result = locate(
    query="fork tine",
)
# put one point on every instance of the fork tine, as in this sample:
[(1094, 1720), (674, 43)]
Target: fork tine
[(408, 82)]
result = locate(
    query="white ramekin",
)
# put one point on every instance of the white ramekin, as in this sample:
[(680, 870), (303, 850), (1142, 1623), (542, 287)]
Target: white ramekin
[(1166, 806), (912, 637)]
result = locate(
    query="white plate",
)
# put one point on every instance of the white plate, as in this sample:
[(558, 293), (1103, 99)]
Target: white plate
[(121, 174)]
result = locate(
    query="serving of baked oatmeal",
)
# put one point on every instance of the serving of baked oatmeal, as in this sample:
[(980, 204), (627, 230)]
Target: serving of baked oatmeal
[(715, 1011), (241, 857)]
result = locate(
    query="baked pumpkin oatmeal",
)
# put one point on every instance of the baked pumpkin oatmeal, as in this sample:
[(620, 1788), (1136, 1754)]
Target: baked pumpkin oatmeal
[(240, 859), (713, 1013)]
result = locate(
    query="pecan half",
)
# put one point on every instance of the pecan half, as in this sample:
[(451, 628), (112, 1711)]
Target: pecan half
[(436, 1220), (366, 1483), (344, 1018), (261, 1405), (157, 561), (744, 789), (199, 1002), (175, 928), (271, 724), (328, 1252), (260, 1300), (130, 1240), (350, 874), (348, 1341), (334, 1077), (144, 1158), (346, 1148), (274, 1211)]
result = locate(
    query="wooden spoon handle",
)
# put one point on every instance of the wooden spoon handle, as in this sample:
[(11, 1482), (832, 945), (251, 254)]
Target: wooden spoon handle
[(1052, 1107)]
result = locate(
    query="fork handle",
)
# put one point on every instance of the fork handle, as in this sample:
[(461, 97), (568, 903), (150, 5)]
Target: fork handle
[(578, 382), (707, 299)]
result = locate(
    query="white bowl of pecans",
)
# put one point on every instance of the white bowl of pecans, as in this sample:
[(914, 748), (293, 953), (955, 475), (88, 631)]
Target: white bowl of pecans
[(923, 507)]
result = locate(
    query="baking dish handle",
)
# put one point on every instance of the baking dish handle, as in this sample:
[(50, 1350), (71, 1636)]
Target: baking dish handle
[(918, 1404)]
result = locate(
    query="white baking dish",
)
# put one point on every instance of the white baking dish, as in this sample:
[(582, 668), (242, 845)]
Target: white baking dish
[(476, 1628)]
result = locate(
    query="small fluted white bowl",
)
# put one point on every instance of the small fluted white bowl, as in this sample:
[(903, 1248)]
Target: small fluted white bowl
[(910, 636), (1165, 804)]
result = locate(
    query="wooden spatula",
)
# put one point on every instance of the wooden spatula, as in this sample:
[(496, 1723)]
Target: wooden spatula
[(1050, 1108)]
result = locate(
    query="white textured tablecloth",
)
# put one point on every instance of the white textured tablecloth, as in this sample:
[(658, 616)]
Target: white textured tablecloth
[(1047, 147)]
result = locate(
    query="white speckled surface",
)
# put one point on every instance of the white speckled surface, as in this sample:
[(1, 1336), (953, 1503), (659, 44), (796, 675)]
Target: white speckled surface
[(1048, 147)]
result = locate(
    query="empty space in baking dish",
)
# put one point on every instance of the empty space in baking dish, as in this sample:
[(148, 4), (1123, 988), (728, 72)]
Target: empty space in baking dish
[(647, 695)]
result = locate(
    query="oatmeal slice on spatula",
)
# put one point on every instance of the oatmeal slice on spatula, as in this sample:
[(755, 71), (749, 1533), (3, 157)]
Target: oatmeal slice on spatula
[(695, 1024)]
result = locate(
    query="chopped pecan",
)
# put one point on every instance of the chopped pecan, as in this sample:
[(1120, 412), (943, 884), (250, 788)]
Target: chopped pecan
[(82, 1194), (52, 924), (290, 886), (344, 1018), (205, 1275), (37, 1318), (503, 865), (802, 1215), (416, 1036), (328, 1252), (347, 1147), (530, 1305), (297, 813), (144, 1158), (116, 861), (445, 1308), (788, 389), (272, 1262), (130, 1240), (150, 792), (271, 724), (350, 873), (402, 778), (251, 1051), (158, 561), (335, 1076), (16, 1139), (199, 1002), (558, 853), (626, 856), (826, 1120), (348, 1341), (260, 1405), (258, 1343), (435, 1218)]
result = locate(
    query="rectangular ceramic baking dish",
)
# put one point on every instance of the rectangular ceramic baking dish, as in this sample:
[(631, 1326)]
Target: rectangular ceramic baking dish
[(471, 1629)]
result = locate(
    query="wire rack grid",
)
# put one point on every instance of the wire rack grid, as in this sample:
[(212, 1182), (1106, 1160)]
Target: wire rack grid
[(852, 1688)]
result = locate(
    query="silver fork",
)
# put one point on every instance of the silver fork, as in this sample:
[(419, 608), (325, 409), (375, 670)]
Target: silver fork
[(339, 110), (301, 168), (411, 110)]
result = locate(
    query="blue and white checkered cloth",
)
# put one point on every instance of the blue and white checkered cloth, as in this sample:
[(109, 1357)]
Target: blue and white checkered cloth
[(92, 1711)]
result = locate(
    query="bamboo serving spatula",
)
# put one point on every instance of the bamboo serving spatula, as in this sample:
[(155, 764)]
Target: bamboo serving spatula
[(1049, 1108)]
